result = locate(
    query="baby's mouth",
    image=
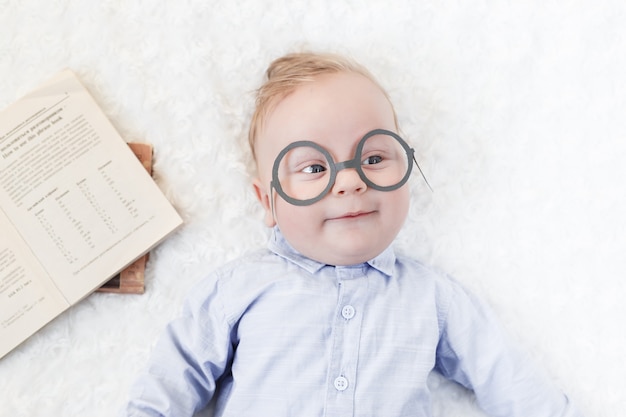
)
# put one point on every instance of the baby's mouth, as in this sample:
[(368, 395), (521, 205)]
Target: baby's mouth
[(353, 215)]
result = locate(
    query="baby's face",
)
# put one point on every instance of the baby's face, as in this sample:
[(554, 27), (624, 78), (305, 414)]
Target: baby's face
[(353, 222)]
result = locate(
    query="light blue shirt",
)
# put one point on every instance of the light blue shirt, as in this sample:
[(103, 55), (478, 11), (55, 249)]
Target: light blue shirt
[(275, 334)]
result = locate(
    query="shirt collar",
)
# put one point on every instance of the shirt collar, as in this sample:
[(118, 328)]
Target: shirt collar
[(384, 262)]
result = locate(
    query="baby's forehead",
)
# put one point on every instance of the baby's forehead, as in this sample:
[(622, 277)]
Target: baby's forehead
[(324, 109), (325, 95)]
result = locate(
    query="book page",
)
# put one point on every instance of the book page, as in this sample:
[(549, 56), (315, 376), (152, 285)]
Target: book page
[(74, 190), (28, 298)]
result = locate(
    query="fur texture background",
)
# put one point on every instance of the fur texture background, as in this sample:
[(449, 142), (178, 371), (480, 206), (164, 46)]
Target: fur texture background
[(517, 111)]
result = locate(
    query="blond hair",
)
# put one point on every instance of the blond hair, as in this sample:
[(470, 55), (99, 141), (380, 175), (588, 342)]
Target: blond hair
[(287, 73)]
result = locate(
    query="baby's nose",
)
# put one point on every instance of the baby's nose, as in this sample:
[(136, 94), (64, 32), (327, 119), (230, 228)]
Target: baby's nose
[(348, 181)]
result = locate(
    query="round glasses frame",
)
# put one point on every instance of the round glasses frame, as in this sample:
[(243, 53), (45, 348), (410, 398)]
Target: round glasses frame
[(355, 163)]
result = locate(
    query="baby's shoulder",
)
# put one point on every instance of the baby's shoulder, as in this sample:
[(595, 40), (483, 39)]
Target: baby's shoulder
[(258, 264), (442, 283), (231, 286), (415, 268), (242, 273)]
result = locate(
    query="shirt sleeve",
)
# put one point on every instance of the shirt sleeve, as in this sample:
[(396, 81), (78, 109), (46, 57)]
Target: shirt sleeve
[(474, 351), (186, 362)]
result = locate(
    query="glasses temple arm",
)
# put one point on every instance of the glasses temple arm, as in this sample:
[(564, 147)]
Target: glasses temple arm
[(422, 173)]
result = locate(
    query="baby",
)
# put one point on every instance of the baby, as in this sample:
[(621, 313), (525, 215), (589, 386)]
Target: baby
[(329, 320)]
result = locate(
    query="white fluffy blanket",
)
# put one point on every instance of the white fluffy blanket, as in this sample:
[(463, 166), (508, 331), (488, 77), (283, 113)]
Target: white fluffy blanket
[(517, 111)]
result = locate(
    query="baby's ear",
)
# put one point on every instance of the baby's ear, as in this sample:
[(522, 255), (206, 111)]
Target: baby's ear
[(264, 199)]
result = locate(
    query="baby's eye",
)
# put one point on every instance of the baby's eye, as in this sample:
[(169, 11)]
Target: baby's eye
[(314, 169), (371, 160)]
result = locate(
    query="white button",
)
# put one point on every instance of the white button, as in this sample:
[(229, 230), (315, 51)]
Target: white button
[(347, 312), (341, 383)]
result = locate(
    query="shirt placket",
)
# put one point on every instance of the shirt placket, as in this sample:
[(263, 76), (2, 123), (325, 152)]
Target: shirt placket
[(348, 319)]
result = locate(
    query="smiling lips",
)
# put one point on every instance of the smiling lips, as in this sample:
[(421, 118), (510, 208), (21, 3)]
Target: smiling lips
[(352, 215)]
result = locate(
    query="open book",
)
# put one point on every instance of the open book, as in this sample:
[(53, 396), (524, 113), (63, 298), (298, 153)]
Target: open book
[(76, 206)]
